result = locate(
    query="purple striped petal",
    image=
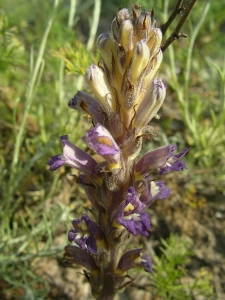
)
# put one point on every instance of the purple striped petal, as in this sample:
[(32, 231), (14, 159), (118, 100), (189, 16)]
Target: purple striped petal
[(173, 163), (74, 157), (130, 214), (100, 140), (84, 102), (153, 160), (85, 234), (135, 258), (80, 257), (162, 159), (154, 190)]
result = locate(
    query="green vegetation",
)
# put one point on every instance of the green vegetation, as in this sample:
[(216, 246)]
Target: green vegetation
[(170, 277), (45, 49)]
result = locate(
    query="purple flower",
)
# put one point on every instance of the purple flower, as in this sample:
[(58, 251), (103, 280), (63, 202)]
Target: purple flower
[(130, 214), (161, 158), (80, 257), (173, 163), (74, 157), (132, 259), (100, 140), (87, 104), (86, 234), (154, 190)]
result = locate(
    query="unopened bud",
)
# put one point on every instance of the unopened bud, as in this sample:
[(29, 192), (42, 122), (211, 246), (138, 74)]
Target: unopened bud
[(144, 25), (140, 60), (150, 104), (155, 41), (97, 81), (106, 49), (122, 15), (115, 30), (126, 35), (136, 10), (152, 68)]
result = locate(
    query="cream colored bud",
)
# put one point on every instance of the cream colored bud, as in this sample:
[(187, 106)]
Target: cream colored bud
[(144, 25), (97, 81), (126, 35), (152, 68), (106, 49), (155, 41), (136, 10), (140, 60), (121, 59), (115, 29), (122, 15), (150, 104)]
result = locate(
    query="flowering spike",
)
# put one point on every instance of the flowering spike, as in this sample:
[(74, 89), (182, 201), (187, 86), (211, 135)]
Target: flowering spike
[(128, 94)]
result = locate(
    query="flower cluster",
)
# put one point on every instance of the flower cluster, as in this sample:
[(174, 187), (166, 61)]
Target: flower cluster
[(128, 95)]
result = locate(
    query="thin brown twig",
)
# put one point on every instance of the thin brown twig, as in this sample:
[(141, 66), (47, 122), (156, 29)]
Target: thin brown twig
[(177, 9), (176, 33)]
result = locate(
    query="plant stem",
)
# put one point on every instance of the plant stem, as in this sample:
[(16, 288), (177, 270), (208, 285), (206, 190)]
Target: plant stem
[(176, 11), (176, 33)]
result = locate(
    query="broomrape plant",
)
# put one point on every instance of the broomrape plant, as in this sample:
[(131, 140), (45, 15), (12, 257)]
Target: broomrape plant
[(119, 183)]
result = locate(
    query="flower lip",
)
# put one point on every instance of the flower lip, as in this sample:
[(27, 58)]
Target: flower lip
[(146, 262), (55, 162), (153, 190), (173, 163)]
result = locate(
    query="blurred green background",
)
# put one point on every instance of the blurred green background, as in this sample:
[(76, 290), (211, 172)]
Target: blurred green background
[(45, 49)]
